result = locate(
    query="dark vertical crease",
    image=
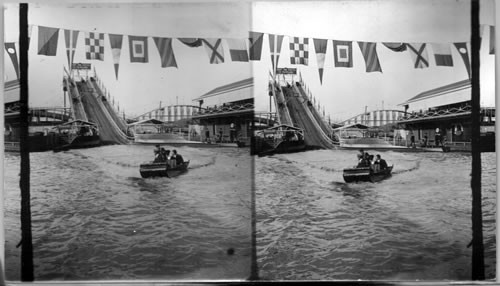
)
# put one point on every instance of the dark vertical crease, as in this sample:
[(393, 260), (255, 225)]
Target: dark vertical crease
[(27, 269), (477, 216)]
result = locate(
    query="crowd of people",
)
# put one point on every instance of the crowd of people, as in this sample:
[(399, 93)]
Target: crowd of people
[(374, 162), (172, 159)]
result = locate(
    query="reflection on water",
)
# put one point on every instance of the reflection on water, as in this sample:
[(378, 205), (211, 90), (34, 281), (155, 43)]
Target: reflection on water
[(414, 225), (94, 217)]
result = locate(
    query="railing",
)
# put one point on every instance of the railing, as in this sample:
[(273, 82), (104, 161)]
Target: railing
[(226, 109), (437, 113)]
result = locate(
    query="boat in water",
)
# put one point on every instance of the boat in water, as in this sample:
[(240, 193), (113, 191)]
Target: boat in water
[(366, 174), (278, 139), (76, 134), (162, 169)]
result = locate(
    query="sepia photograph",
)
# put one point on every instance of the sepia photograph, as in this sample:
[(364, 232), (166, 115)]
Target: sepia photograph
[(139, 126), (363, 158)]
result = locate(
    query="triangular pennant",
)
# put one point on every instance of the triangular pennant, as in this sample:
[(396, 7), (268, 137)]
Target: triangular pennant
[(191, 42), (342, 53), (396, 47), (275, 42), (115, 42), (47, 40), (138, 47), (70, 37), (238, 50), (320, 46), (369, 51), (94, 46), (255, 50), (167, 56), (11, 50), (464, 53), (214, 50), (442, 54), (299, 51)]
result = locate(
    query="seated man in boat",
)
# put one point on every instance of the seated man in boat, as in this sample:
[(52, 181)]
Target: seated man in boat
[(364, 159), (380, 163), (170, 160), (177, 157), (158, 156)]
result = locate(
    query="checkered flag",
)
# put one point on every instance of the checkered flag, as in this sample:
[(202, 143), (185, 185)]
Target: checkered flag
[(299, 51), (94, 46)]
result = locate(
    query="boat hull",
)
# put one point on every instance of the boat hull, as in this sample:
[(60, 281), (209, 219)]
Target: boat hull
[(149, 170), (366, 174)]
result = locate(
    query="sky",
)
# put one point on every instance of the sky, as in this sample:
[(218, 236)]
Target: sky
[(140, 86), (344, 92)]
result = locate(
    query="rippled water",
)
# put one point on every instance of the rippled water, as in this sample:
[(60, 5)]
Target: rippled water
[(94, 217), (415, 225)]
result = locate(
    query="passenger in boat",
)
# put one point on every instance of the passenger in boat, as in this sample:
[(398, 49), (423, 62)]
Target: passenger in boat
[(177, 157), (158, 156), (364, 160), (169, 159), (382, 164)]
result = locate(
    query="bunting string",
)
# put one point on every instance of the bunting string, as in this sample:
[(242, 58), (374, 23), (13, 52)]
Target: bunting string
[(249, 49)]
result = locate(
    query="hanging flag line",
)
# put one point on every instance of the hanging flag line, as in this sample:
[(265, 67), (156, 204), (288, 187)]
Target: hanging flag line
[(247, 49)]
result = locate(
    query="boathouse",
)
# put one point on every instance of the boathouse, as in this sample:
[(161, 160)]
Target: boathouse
[(443, 115), (226, 112)]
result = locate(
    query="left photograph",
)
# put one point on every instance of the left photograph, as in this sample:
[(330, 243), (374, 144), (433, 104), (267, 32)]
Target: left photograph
[(140, 118)]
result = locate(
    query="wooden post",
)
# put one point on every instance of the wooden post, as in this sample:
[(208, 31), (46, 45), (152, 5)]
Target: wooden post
[(477, 215), (27, 272)]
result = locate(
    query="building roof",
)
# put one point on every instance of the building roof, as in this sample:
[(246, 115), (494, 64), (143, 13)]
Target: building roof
[(12, 91), (442, 90), (147, 121), (351, 126), (245, 83)]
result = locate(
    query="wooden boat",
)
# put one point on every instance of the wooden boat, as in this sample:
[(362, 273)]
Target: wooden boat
[(366, 174), (162, 169), (278, 139)]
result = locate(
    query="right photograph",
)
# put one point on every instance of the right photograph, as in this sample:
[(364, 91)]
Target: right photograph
[(364, 140)]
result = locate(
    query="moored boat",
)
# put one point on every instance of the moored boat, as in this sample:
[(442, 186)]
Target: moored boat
[(76, 134), (278, 139), (366, 174), (162, 169)]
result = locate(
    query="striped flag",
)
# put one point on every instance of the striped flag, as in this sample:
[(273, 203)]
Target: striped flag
[(320, 46), (419, 55), (138, 47), (369, 51), (167, 56), (342, 53), (299, 51), (116, 50), (256, 40), (238, 50), (70, 37), (442, 54), (275, 42), (214, 50), (464, 53), (11, 50), (47, 40)]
